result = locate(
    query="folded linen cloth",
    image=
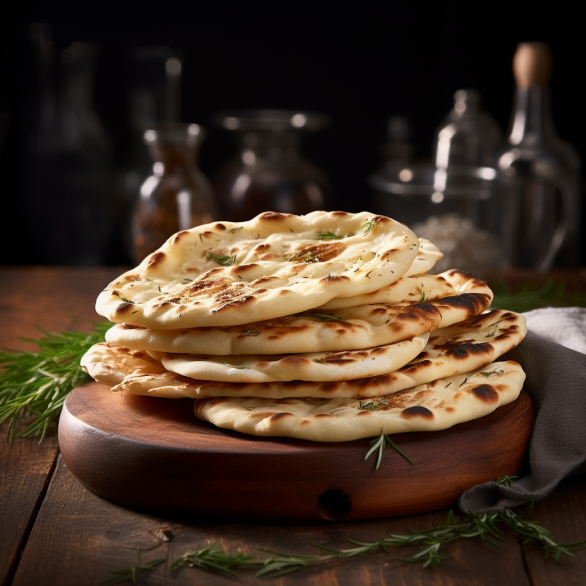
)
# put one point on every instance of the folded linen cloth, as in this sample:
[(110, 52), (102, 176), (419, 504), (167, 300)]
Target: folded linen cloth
[(553, 356)]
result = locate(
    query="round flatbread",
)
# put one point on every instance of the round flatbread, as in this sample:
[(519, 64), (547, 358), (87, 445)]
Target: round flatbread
[(276, 264), (428, 407), (469, 348), (352, 328), (316, 366), (426, 258), (451, 350), (110, 364), (418, 288)]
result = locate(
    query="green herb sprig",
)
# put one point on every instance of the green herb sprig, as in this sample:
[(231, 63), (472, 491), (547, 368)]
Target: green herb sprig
[(379, 444), (222, 260), (529, 297), (325, 317), (328, 236), (366, 228), (125, 573), (214, 558), (33, 386), (431, 543)]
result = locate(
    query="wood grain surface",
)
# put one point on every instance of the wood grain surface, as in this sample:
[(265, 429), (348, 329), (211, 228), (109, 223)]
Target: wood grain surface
[(154, 454), (55, 299), (79, 537)]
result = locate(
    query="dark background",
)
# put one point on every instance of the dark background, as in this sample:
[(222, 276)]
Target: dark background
[(360, 66)]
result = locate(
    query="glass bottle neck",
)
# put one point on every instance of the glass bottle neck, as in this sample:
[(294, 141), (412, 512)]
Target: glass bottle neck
[(263, 145), (531, 122), (174, 157)]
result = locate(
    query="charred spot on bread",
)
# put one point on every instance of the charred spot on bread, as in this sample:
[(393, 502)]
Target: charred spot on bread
[(485, 393), (417, 411)]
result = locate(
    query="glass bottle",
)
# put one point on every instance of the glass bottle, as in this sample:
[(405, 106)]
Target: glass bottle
[(72, 174), (468, 136), (398, 150), (177, 196), (548, 167), (269, 172), (154, 79)]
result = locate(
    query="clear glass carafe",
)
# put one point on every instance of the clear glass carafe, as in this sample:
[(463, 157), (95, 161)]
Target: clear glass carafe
[(177, 196), (269, 172), (548, 231)]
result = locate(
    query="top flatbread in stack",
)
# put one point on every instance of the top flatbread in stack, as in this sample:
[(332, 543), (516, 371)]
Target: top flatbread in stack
[(224, 273)]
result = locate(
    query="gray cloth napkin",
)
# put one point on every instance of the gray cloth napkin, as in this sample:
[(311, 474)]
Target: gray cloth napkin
[(553, 355)]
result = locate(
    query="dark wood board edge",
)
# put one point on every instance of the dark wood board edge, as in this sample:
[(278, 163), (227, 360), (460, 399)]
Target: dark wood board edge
[(118, 461)]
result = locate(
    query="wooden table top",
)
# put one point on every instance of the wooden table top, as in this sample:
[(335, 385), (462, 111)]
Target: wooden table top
[(55, 531)]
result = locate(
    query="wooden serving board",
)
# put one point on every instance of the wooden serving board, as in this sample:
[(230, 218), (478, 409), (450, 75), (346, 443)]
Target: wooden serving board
[(153, 454)]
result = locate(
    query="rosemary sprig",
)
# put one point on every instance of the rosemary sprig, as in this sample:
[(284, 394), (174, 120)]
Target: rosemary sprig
[(431, 543), (238, 366), (222, 260), (124, 573), (379, 444), (328, 236), (33, 386), (281, 564), (324, 317), (366, 228), (214, 558), (507, 480), (422, 298), (529, 297), (234, 230)]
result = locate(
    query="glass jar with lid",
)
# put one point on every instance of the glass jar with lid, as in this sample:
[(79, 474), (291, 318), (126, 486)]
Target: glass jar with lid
[(269, 172), (468, 212)]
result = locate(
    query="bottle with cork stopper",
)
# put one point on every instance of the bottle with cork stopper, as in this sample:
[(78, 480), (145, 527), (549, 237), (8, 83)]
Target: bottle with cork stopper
[(548, 226)]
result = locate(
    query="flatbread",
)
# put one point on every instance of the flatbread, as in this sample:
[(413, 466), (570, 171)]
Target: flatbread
[(451, 350), (428, 407), (276, 264), (352, 328), (417, 288), (110, 364), (316, 366), (471, 349), (426, 258), (360, 327)]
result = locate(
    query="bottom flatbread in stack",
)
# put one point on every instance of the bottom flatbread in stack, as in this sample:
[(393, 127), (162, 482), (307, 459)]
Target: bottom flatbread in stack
[(427, 407)]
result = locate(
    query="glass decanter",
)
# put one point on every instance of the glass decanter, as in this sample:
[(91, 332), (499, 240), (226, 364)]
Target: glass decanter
[(177, 196), (269, 172)]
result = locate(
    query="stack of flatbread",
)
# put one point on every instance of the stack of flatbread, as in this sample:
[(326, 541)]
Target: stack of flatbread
[(326, 327)]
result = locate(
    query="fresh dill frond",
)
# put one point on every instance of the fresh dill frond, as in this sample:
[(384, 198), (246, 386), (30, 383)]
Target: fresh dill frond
[(33, 386)]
